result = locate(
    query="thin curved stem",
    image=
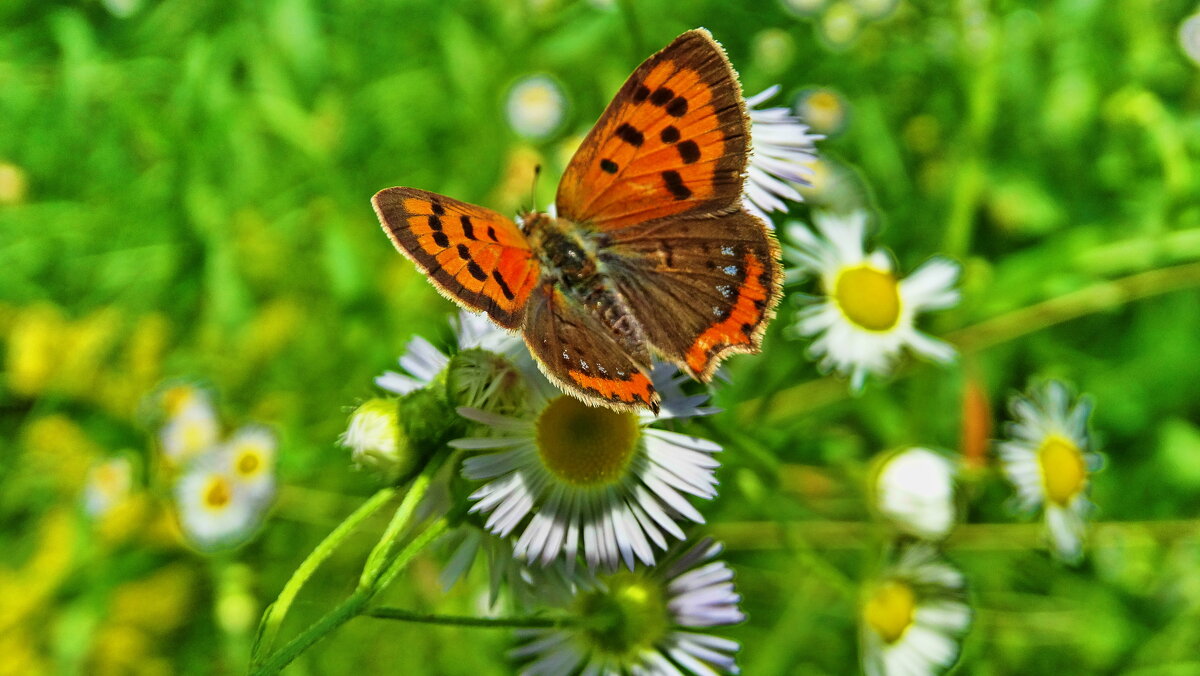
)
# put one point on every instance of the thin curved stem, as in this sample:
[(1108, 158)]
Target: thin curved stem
[(416, 492), (275, 613), (1099, 297), (403, 615)]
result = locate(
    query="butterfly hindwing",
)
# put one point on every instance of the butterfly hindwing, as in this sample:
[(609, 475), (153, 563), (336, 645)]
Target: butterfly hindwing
[(702, 288), (673, 141), (583, 356), (474, 255)]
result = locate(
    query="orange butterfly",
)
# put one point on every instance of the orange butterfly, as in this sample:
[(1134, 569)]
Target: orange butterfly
[(651, 247)]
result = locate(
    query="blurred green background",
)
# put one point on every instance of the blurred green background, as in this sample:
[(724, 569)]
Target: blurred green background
[(184, 194)]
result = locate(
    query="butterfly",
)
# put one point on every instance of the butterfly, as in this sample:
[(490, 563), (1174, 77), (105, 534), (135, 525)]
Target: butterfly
[(650, 248)]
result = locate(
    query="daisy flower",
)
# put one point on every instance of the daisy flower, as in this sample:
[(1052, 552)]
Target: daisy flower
[(866, 315), (914, 489), (250, 455), (422, 362), (214, 509), (914, 617), (192, 426), (536, 106), (1048, 459), (784, 152), (108, 483), (579, 479), (824, 109), (644, 622)]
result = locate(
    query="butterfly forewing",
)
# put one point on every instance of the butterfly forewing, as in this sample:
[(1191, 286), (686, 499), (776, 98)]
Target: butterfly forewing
[(702, 288), (582, 355), (673, 141), (474, 255)]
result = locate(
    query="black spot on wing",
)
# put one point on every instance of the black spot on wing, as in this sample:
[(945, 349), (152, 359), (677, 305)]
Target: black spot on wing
[(689, 152), (608, 166), (675, 184), (678, 107), (467, 226), (669, 134), (476, 271), (463, 252), (441, 239), (661, 96), (503, 284), (628, 134)]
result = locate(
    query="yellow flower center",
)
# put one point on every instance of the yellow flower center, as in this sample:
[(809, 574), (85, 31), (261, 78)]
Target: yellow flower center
[(890, 610), (249, 462), (218, 493), (1064, 471), (584, 445), (176, 398), (868, 297), (195, 435), (625, 620)]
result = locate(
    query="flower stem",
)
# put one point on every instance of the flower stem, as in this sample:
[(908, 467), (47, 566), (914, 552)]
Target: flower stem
[(385, 613), (274, 614), (353, 605), (410, 550), (404, 513), (817, 393)]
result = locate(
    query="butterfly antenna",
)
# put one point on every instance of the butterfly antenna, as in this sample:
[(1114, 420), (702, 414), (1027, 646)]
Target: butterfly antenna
[(537, 171)]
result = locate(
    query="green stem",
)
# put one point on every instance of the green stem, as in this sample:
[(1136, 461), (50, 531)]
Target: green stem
[(406, 555), (385, 613), (855, 535), (274, 614), (352, 606), (404, 513), (788, 403)]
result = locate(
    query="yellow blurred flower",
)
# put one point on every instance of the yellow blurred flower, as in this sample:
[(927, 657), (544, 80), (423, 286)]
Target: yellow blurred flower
[(31, 588), (13, 184), (58, 448), (35, 345)]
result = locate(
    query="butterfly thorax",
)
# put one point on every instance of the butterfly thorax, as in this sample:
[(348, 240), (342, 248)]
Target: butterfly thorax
[(566, 251), (569, 254)]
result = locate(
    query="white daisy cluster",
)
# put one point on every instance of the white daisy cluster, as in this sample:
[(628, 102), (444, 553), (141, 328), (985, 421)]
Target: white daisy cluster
[(222, 487), (570, 506), (864, 314), (784, 152)]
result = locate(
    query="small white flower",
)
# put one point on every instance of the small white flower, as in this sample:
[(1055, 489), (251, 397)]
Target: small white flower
[(1189, 37), (192, 426), (577, 479), (250, 456), (108, 483), (215, 510), (422, 362), (1048, 459), (536, 106), (644, 622), (374, 438), (914, 617), (782, 158), (915, 490), (866, 315)]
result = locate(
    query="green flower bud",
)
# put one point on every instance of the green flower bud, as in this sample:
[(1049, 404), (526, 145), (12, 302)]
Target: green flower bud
[(486, 381)]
